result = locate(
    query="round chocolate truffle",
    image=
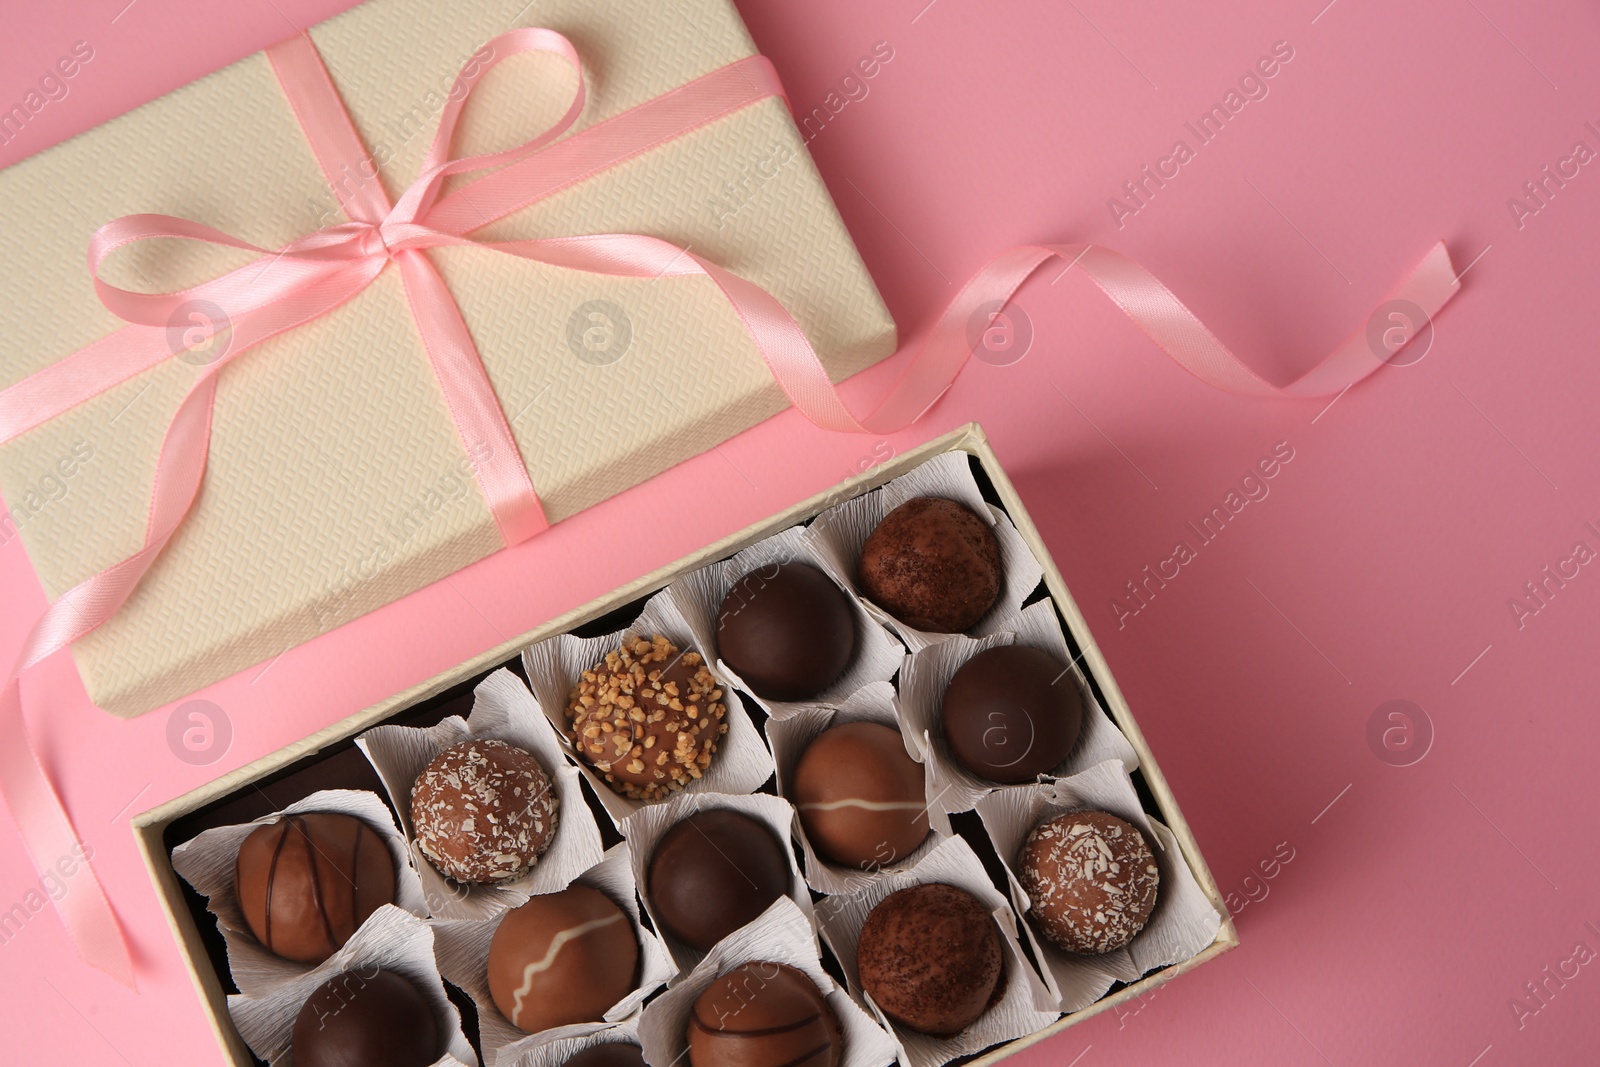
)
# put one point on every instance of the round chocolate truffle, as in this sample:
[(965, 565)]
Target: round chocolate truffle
[(787, 630), (931, 958), (1011, 713), (932, 564), (647, 718), (1091, 879), (861, 798), (306, 882), (763, 1015), (613, 1054), (712, 873), (365, 1017), (562, 958), (484, 811)]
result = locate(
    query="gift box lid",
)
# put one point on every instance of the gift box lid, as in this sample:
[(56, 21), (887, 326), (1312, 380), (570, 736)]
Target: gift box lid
[(336, 481)]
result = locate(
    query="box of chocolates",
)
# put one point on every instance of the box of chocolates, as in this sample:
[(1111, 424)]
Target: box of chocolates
[(852, 786)]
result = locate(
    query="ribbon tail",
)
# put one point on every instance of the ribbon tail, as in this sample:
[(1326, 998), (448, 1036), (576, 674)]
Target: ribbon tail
[(47, 831), (1155, 309), (54, 847)]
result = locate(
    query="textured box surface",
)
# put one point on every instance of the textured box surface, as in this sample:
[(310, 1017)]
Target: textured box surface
[(336, 481)]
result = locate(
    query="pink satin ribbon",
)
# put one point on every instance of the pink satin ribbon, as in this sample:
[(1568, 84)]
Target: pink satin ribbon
[(312, 275)]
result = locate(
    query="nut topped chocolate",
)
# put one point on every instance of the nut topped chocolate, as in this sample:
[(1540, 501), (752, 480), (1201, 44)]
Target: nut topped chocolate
[(648, 718), (933, 564), (306, 883), (787, 630), (1091, 879), (484, 811)]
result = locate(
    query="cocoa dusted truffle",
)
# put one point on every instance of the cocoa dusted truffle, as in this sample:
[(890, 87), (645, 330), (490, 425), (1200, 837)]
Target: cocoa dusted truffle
[(562, 958), (1091, 879), (932, 564), (614, 1054), (787, 630), (931, 958), (861, 798), (484, 811), (367, 1016), (712, 873), (763, 1015), (647, 718), (1011, 713), (306, 882)]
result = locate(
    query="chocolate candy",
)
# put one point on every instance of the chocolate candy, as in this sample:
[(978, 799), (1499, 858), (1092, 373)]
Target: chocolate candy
[(763, 1015), (931, 958), (306, 882), (613, 1054), (562, 958), (932, 564), (1011, 713), (860, 796), (712, 873), (647, 718), (1092, 881), (368, 1016), (484, 811), (787, 630)]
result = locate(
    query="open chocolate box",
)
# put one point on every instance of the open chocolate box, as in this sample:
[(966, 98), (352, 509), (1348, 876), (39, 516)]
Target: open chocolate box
[(896, 676)]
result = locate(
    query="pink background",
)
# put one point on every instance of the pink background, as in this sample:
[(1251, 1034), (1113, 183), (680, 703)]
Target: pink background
[(1420, 899)]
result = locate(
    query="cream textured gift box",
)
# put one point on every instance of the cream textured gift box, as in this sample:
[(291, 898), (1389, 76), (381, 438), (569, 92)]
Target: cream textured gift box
[(336, 481)]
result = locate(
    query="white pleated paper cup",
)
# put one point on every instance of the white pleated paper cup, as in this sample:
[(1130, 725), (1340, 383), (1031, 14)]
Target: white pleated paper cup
[(839, 533), (783, 935), (699, 596), (645, 828), (1014, 1015), (791, 736), (742, 763), (207, 862), (927, 673), (556, 1047), (1183, 923), (502, 710), (391, 940), (462, 949)]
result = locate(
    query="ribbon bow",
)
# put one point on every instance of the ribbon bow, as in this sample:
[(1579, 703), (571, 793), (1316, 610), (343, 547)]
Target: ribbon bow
[(312, 275)]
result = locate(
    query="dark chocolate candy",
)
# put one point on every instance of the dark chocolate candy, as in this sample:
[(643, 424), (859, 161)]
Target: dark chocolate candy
[(712, 873), (366, 1017), (861, 798), (1092, 881), (306, 882), (787, 630), (562, 958), (931, 958), (1011, 713), (763, 1015), (933, 564), (611, 1054)]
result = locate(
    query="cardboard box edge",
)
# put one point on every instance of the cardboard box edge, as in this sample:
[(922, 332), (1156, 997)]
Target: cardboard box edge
[(150, 826)]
